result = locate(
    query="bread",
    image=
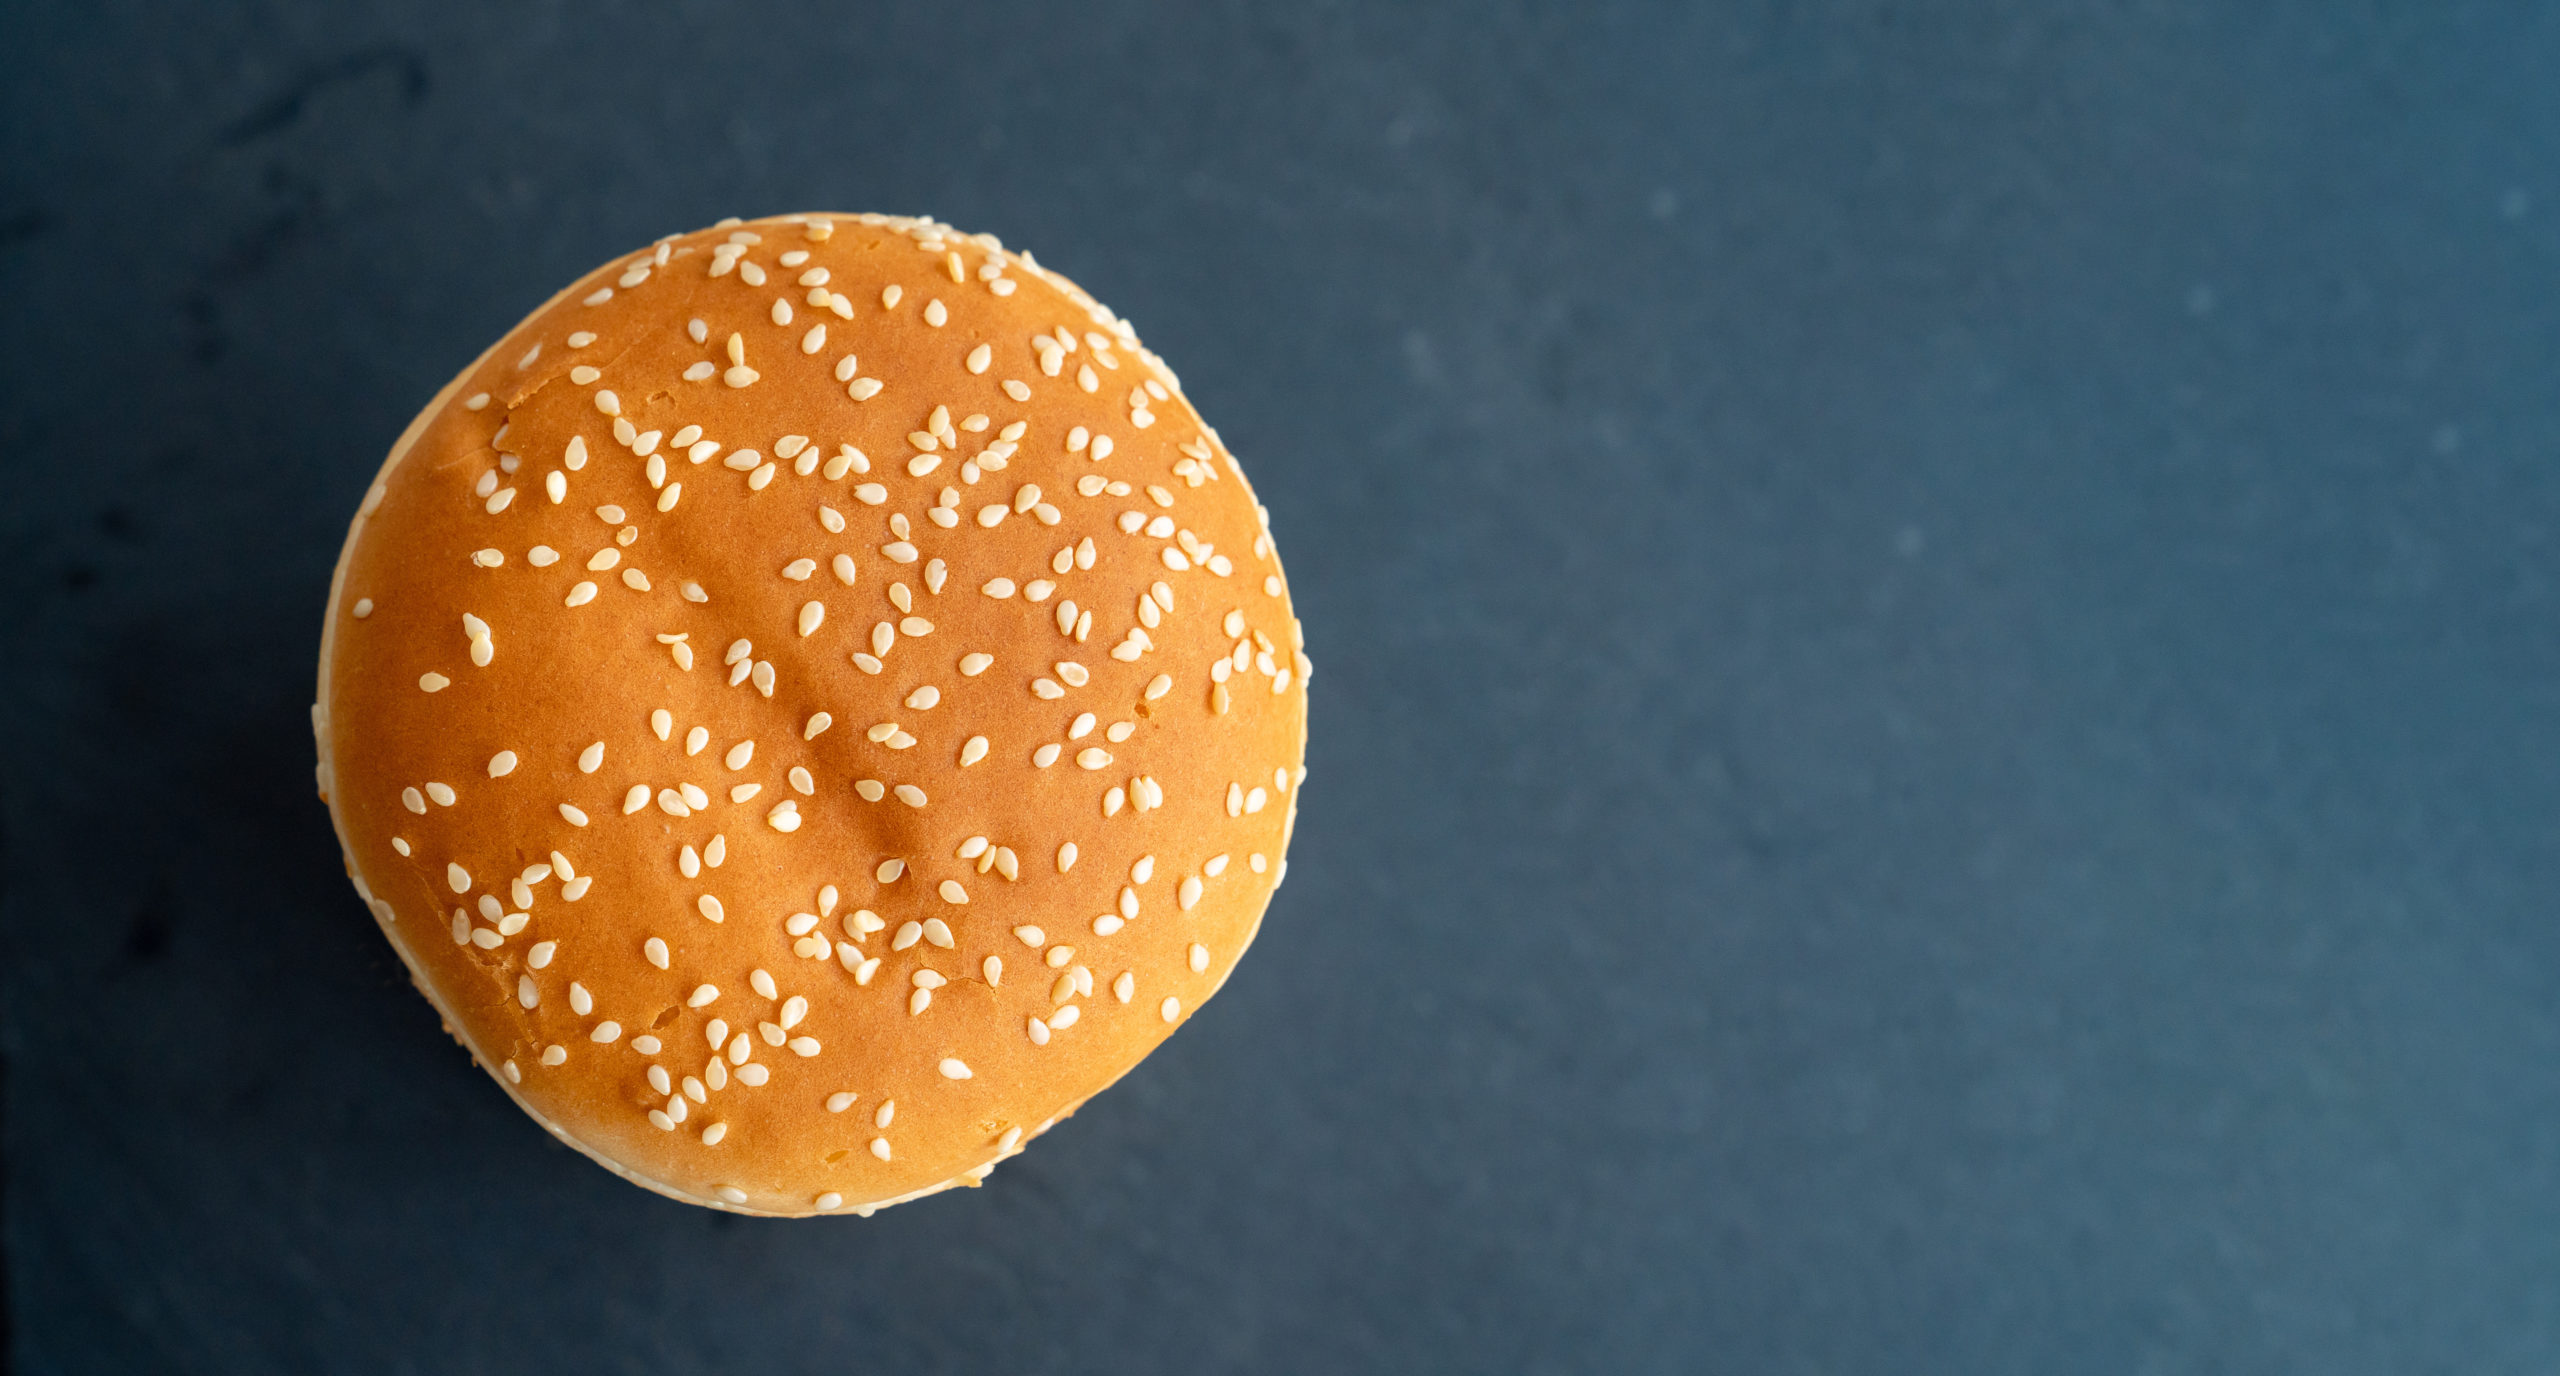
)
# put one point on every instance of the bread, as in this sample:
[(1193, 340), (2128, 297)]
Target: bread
[(811, 706)]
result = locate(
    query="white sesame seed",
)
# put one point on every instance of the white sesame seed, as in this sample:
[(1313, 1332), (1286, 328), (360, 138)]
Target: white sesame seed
[(979, 358), (433, 682), (502, 764), (953, 1068), (1045, 756), (710, 908), (526, 993), (934, 314), (656, 950), (880, 1145), (1065, 1018), (1171, 1008)]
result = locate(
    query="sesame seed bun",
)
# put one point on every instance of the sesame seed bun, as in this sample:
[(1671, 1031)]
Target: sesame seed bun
[(811, 706)]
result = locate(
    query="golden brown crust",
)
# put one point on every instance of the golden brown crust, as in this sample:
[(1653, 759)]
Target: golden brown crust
[(444, 574)]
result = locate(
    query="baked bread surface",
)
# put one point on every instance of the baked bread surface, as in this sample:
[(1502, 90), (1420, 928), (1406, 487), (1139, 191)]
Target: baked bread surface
[(811, 706)]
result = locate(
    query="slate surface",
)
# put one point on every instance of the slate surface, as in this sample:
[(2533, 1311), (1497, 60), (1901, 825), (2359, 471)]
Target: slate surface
[(1932, 742)]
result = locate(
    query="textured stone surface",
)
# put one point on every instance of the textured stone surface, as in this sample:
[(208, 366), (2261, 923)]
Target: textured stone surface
[(1939, 653)]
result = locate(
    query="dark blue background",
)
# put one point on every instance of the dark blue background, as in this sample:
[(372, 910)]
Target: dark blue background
[(1934, 743)]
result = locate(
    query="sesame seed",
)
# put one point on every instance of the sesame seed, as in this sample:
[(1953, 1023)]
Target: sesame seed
[(953, 1068), (526, 994), (1171, 1008), (1106, 924), (1125, 987), (502, 764), (710, 908), (934, 313), (1065, 1017), (889, 296), (880, 1145), (656, 950), (979, 358), (433, 682)]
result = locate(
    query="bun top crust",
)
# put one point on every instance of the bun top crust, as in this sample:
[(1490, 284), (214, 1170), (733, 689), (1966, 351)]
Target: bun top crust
[(812, 705)]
